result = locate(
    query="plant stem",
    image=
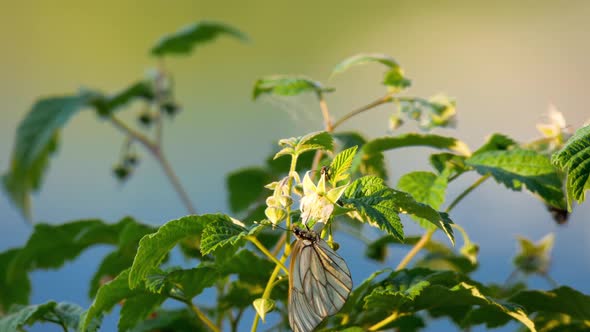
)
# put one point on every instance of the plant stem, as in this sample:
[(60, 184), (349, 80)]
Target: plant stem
[(325, 113), (550, 280), (467, 191), (155, 149), (203, 317), (385, 99), (268, 288), (265, 251), (385, 321), (415, 249), (428, 235)]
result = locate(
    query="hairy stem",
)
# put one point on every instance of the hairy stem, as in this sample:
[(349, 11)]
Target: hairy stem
[(325, 113), (155, 149), (203, 317), (265, 251)]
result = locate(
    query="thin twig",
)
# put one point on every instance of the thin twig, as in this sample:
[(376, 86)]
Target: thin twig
[(415, 249), (156, 151), (467, 191), (385, 99)]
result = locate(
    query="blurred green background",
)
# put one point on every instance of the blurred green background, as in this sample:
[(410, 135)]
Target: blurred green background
[(503, 61)]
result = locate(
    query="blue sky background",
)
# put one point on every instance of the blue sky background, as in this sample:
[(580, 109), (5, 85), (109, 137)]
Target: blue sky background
[(504, 62)]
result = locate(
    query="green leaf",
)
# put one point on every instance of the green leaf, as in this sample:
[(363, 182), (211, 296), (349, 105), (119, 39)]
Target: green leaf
[(139, 302), (563, 300), (221, 233), (295, 146), (36, 140), (16, 289), (50, 246), (393, 78), (362, 163), (248, 267), (122, 258), (106, 106), (380, 206), (427, 188), (341, 164), (408, 140), (65, 313), (454, 163), (192, 282), (517, 167), (574, 159), (153, 248), (285, 85), (496, 142), (263, 306), (246, 186), (184, 40)]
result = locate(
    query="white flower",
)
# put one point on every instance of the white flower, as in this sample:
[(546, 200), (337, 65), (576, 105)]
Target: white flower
[(556, 125), (317, 204)]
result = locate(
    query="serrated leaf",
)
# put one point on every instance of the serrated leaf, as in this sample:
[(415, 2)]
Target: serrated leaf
[(36, 140), (287, 85), (450, 301), (429, 140), (517, 167), (114, 292), (246, 186), (153, 248), (574, 159), (319, 140), (394, 77), (193, 281), (197, 34), (381, 205), (221, 233), (427, 188), (563, 300), (106, 106), (362, 164), (341, 164), (64, 313), (263, 306)]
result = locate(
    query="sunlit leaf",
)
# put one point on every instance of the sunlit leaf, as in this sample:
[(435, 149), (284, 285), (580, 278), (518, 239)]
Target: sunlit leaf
[(563, 300), (574, 159), (295, 146), (394, 77), (285, 85), (362, 164), (221, 233), (427, 188), (517, 168), (412, 140), (185, 40), (153, 248), (341, 164), (381, 206)]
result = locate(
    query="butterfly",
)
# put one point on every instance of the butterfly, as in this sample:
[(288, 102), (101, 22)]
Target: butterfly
[(319, 281)]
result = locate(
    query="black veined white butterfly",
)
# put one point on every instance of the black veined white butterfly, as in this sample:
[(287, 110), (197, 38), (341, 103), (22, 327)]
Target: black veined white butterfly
[(319, 281)]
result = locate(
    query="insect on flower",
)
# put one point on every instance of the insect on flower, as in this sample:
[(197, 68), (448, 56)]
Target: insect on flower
[(319, 281)]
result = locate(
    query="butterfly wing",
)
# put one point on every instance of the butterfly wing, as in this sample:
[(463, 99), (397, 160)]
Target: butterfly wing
[(319, 284)]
